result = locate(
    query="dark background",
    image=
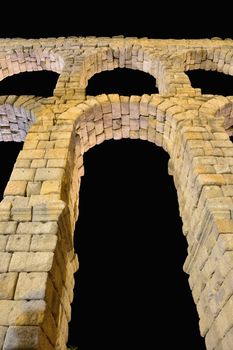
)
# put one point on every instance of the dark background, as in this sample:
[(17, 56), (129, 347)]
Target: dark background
[(131, 291)]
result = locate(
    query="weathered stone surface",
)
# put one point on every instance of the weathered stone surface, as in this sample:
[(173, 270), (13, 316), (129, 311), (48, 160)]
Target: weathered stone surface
[(38, 163), (21, 174), (43, 243), (7, 285), (188, 125), (4, 261), (21, 210), (8, 227), (39, 261), (5, 210), (38, 199), (51, 187), (19, 313), (3, 242), (26, 337), (37, 228), (18, 243), (33, 188), (31, 286), (50, 211), (15, 188), (43, 174)]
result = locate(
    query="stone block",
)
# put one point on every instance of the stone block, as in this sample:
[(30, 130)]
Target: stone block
[(22, 163), (134, 124), (31, 262), (32, 145), (223, 226), (46, 144), (23, 337), (8, 227), (125, 131), (31, 154), (18, 243), (5, 210), (15, 188), (144, 104), (62, 144), (36, 199), (19, 313), (33, 188), (50, 211), (56, 135), (50, 228), (124, 104), (21, 211), (21, 174), (56, 153), (7, 284), (39, 163), (49, 187), (31, 286), (3, 242), (43, 174), (105, 103), (143, 122), (134, 107), (57, 163), (4, 261), (43, 243)]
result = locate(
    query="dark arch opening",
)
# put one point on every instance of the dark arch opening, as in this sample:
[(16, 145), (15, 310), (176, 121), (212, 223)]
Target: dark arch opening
[(211, 82), (39, 83), (8, 153), (131, 291), (122, 81)]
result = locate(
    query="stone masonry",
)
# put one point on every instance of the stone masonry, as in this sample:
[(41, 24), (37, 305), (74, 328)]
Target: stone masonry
[(40, 205)]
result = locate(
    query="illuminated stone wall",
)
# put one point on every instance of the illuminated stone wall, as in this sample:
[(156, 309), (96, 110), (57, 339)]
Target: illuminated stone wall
[(40, 205)]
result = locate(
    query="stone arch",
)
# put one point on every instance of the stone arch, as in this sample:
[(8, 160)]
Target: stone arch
[(220, 107), (107, 118), (16, 116), (207, 58), (27, 60), (17, 61), (217, 58), (100, 59), (50, 209)]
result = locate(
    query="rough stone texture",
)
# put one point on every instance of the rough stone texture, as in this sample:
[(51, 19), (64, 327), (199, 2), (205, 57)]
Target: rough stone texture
[(40, 205), (26, 337), (23, 261), (31, 286), (7, 284)]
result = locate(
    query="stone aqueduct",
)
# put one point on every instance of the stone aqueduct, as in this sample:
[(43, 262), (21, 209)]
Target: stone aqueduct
[(40, 205)]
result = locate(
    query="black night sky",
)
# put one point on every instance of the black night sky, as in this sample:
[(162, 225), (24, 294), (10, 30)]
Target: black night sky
[(131, 291)]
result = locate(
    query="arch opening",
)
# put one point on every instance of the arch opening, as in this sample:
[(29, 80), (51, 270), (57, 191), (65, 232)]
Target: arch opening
[(211, 82), (130, 253), (38, 83), (123, 81)]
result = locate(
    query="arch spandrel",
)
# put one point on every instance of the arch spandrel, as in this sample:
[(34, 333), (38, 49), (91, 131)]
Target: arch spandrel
[(188, 125)]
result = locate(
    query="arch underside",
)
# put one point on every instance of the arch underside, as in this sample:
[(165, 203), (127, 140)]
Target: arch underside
[(40, 205)]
